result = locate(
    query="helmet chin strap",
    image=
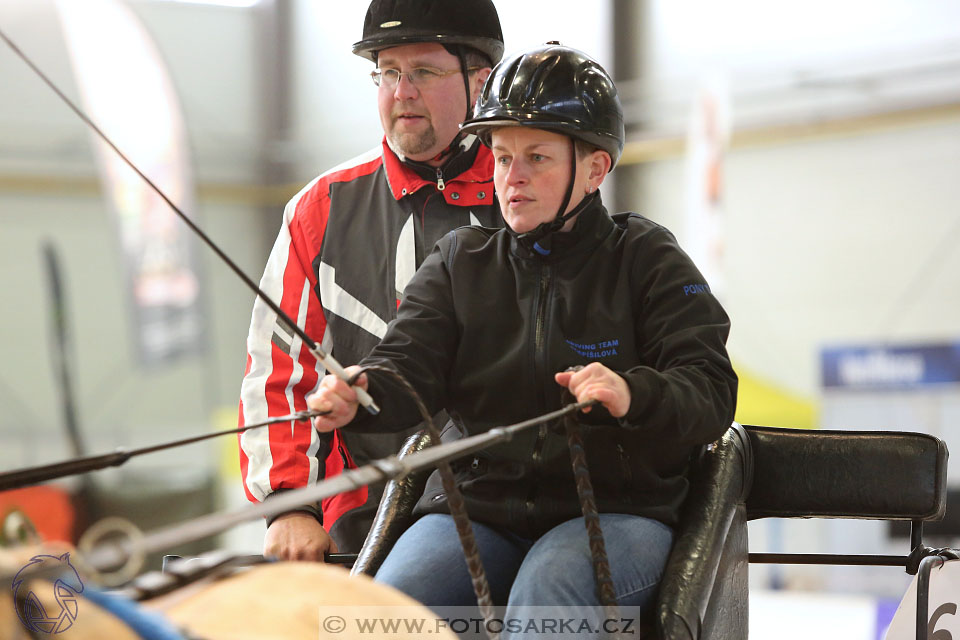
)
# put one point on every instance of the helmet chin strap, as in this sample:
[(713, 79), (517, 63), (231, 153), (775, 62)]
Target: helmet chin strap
[(457, 50), (466, 81), (538, 239)]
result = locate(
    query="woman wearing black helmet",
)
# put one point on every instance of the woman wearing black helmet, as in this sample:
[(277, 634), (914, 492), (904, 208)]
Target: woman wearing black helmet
[(493, 320)]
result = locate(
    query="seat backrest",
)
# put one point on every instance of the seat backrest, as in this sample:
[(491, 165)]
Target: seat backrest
[(756, 472), (886, 475)]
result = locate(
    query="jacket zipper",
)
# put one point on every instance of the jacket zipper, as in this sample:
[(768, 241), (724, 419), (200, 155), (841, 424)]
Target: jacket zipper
[(625, 468), (440, 185), (538, 366), (539, 354)]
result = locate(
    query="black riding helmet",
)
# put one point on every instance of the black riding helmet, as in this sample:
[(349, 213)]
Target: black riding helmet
[(452, 23), (558, 89), (392, 23), (555, 88)]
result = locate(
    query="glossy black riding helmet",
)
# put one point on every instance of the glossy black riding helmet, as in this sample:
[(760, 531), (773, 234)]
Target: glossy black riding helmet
[(393, 23), (452, 23), (555, 88), (559, 89)]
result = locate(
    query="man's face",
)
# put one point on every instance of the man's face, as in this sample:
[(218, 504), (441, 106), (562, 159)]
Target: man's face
[(421, 121)]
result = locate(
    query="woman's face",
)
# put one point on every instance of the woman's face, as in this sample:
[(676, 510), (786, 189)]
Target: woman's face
[(531, 174)]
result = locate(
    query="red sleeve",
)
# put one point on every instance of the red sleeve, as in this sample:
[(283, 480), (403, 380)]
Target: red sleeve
[(280, 370)]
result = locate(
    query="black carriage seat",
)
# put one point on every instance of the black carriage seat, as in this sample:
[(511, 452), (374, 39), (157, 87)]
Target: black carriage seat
[(751, 472), (762, 472)]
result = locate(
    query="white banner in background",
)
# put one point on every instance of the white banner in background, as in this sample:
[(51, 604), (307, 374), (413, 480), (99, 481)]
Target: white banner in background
[(126, 90), (943, 621), (707, 140)]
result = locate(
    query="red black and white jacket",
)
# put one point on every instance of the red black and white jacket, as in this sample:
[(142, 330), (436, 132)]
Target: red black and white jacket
[(349, 243)]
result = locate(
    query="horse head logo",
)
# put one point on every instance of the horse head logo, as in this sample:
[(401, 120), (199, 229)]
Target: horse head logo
[(31, 611)]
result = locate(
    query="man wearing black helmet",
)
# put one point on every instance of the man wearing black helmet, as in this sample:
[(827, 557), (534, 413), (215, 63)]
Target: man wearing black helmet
[(351, 240), (491, 325)]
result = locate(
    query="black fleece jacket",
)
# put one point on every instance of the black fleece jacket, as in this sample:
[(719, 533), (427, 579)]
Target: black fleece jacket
[(485, 324)]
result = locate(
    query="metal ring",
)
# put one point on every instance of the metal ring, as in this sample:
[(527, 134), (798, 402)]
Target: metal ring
[(136, 555), (18, 529)]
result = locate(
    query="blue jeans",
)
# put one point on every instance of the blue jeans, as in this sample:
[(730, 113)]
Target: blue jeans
[(427, 563)]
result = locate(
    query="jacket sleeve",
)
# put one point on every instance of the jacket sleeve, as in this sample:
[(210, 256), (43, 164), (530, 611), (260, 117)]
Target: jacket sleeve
[(280, 370), (420, 345), (686, 390)]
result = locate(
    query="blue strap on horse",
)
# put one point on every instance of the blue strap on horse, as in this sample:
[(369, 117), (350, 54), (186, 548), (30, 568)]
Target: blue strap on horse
[(148, 625)]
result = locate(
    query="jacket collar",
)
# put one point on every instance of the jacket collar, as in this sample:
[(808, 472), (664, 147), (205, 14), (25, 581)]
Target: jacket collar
[(592, 225), (470, 187)]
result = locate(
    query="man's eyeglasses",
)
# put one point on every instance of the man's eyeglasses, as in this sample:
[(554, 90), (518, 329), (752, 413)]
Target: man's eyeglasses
[(421, 77)]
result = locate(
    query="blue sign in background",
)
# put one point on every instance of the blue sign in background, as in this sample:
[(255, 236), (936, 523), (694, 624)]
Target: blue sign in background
[(890, 366)]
